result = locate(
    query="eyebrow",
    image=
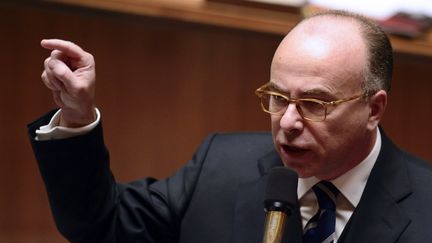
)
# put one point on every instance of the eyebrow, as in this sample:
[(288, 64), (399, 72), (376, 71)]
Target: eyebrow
[(318, 93), (274, 87)]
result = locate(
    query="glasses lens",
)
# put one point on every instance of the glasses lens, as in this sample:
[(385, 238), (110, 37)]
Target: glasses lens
[(312, 109), (273, 103)]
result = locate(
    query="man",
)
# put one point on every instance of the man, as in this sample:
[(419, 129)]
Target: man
[(327, 93)]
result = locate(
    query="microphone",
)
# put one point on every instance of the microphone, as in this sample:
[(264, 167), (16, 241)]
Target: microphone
[(280, 201)]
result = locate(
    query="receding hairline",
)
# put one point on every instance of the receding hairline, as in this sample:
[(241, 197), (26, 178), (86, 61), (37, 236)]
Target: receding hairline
[(378, 71)]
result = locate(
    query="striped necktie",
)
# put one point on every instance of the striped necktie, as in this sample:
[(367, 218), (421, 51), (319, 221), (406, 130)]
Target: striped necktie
[(321, 227)]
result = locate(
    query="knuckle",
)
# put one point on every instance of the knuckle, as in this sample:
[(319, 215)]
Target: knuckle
[(61, 72), (55, 53), (51, 64), (47, 61), (89, 58), (48, 73), (82, 89)]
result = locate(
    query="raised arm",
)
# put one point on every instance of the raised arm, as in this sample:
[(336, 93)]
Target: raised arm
[(87, 203)]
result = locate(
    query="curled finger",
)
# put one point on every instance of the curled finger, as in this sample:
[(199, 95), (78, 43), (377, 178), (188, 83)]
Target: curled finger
[(61, 73), (59, 55), (49, 78), (47, 82)]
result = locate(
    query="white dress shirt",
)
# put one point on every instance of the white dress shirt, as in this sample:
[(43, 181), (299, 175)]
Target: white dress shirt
[(54, 131)]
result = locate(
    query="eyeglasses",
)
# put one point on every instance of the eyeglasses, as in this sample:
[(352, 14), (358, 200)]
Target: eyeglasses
[(309, 108)]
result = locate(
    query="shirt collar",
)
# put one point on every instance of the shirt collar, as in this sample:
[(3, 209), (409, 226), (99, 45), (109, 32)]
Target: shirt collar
[(352, 183)]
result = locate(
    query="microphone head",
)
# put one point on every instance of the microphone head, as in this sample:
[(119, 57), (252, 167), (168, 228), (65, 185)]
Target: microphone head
[(281, 190)]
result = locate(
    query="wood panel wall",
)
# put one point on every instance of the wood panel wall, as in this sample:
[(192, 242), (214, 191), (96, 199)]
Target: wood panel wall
[(162, 85)]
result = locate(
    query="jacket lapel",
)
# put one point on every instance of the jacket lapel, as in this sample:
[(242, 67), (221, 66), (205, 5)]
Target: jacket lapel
[(249, 211), (378, 217)]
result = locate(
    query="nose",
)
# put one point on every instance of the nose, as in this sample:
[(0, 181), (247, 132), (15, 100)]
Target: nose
[(291, 120)]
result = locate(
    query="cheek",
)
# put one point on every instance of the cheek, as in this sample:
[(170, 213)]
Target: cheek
[(329, 137), (323, 141), (339, 138), (347, 121)]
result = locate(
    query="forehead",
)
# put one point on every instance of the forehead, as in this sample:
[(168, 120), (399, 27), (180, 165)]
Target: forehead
[(324, 54)]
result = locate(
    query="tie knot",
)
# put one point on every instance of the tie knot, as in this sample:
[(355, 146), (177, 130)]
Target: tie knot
[(326, 194)]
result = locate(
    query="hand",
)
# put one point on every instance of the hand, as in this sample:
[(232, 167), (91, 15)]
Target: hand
[(70, 74)]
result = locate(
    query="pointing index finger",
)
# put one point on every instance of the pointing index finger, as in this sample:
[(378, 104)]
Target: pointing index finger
[(68, 48)]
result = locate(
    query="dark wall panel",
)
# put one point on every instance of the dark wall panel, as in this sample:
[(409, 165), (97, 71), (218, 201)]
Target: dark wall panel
[(162, 86)]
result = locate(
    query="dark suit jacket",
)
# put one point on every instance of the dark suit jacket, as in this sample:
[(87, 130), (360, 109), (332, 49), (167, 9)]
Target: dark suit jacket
[(217, 196)]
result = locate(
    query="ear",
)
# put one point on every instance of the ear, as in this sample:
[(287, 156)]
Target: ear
[(377, 105)]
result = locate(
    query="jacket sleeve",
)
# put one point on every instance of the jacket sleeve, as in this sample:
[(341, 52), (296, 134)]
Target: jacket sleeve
[(89, 206)]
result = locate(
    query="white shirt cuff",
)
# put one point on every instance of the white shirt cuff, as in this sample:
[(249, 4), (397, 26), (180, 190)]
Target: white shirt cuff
[(54, 131)]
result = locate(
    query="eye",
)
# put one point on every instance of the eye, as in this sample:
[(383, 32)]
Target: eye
[(312, 107), (278, 100)]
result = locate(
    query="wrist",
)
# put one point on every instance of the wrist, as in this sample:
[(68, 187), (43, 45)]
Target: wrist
[(74, 119)]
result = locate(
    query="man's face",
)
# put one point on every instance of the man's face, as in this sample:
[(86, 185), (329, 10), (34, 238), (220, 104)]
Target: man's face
[(325, 66)]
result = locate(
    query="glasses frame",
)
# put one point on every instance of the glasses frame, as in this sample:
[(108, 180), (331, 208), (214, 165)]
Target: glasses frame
[(326, 104)]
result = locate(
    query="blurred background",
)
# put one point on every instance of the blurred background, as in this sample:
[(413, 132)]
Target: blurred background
[(168, 73)]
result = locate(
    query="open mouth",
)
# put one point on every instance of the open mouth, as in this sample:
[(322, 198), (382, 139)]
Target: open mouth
[(293, 149)]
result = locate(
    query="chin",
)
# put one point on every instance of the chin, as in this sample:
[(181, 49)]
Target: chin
[(298, 168)]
